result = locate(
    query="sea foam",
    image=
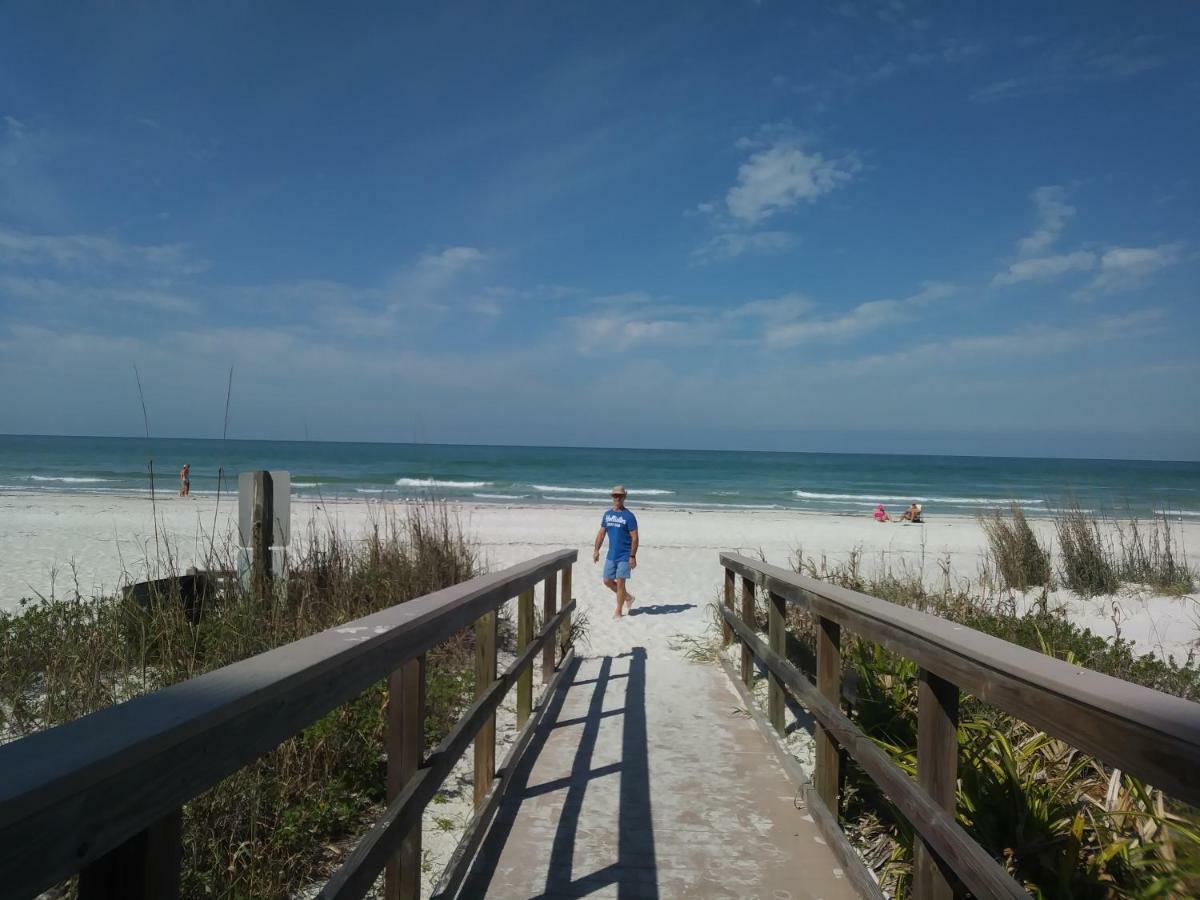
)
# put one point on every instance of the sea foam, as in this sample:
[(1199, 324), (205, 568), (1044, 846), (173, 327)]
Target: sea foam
[(435, 482), (873, 498), (551, 488), (67, 479)]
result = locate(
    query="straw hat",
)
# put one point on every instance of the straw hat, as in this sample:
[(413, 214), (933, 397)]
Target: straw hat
[(619, 490)]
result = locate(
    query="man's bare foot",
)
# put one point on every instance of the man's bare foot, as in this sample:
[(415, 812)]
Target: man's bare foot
[(617, 614), (629, 598)]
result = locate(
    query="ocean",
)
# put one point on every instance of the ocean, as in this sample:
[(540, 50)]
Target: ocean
[(835, 483)]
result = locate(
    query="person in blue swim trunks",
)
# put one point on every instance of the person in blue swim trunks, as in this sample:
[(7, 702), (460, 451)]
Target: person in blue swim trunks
[(619, 525)]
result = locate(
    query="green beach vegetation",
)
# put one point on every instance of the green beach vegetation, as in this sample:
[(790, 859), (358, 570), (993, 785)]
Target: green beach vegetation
[(281, 823), (1062, 823), (1098, 555)]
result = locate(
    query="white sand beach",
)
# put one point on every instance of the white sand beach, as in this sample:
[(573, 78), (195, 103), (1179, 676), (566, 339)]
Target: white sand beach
[(90, 542)]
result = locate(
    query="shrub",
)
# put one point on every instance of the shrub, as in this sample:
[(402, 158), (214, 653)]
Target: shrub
[(1019, 556)]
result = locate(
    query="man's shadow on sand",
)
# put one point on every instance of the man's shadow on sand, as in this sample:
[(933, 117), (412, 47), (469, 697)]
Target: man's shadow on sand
[(661, 609)]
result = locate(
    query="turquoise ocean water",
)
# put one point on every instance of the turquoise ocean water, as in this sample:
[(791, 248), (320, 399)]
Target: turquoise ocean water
[(849, 484)]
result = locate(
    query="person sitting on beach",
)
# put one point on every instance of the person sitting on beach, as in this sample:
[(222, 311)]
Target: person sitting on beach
[(185, 480), (881, 514), (620, 526), (912, 514)]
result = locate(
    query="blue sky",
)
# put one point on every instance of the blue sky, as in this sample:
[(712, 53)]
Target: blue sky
[(856, 226)]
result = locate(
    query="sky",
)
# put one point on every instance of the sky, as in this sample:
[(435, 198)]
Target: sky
[(864, 226)]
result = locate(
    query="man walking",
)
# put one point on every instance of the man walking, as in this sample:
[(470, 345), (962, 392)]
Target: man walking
[(620, 526)]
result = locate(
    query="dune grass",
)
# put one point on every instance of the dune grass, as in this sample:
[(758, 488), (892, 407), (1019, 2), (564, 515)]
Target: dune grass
[(282, 823), (1062, 823), (1020, 558)]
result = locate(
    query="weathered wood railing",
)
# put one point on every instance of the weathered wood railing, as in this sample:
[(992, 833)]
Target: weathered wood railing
[(1151, 735), (103, 795)]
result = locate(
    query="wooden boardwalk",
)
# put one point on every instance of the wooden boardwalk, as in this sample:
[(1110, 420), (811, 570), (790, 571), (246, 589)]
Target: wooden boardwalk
[(640, 775), (645, 781)]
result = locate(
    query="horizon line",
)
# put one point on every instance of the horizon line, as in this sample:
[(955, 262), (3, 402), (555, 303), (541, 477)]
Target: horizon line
[(609, 448)]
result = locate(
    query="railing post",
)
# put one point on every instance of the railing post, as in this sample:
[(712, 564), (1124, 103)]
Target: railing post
[(748, 618), (524, 638), (829, 683), (730, 590), (777, 640), (564, 599), (937, 772), (549, 609), (262, 525), (405, 747), (485, 675), (145, 867)]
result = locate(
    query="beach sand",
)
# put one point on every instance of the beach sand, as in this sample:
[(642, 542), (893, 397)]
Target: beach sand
[(90, 541)]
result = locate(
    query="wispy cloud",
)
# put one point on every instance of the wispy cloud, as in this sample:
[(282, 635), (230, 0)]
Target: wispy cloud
[(1046, 267), (1032, 340), (51, 291), (1053, 215), (1128, 268), (1066, 66), (781, 174), (731, 244), (629, 321), (82, 250), (863, 318)]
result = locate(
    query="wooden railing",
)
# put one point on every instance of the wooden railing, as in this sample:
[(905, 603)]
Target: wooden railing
[(103, 795), (1151, 735)]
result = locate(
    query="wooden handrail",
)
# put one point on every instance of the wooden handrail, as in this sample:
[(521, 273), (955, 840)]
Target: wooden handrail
[(1149, 734), (74, 793), (1144, 732), (982, 874), (358, 873)]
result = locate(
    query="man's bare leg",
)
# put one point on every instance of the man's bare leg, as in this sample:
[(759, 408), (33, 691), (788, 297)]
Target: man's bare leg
[(615, 586)]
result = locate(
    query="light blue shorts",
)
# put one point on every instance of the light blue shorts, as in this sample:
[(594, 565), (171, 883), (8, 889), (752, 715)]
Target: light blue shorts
[(617, 569)]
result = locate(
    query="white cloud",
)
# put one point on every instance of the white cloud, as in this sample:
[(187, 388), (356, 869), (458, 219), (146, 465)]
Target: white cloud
[(617, 328), (787, 308), (434, 281), (1067, 66), (1053, 215), (862, 318), (1034, 340), (781, 175), (1046, 267), (625, 321), (49, 290), (731, 244), (83, 250), (1126, 268)]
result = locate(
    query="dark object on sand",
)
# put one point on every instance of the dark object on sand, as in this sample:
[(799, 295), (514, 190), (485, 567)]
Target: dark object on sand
[(192, 590)]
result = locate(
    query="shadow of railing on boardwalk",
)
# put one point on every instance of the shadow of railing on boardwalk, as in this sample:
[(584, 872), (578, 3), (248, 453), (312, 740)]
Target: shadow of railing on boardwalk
[(661, 609), (634, 871)]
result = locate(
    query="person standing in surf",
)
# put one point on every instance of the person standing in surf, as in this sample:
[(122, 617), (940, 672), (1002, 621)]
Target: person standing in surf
[(619, 525)]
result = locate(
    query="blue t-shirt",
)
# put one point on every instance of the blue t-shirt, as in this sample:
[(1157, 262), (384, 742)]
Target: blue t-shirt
[(618, 524)]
